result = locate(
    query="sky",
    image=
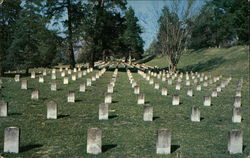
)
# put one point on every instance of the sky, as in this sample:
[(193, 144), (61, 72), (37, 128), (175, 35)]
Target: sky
[(148, 13)]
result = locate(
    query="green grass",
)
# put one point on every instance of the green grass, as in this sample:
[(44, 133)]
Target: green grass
[(231, 61), (125, 134)]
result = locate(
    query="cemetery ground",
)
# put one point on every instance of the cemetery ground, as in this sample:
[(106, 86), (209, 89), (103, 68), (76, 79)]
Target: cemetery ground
[(125, 134)]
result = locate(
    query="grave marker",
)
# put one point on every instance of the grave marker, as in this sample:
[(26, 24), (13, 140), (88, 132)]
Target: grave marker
[(53, 86), (195, 115), (103, 111), (235, 142), (51, 110), (190, 92), (157, 86), (148, 113), (176, 99), (35, 95), (71, 97), (82, 88), (164, 91), (94, 141), (236, 115), (141, 99), (17, 78), (3, 109), (207, 101), (11, 140), (65, 80), (237, 101), (108, 98), (136, 90), (163, 143), (24, 84)]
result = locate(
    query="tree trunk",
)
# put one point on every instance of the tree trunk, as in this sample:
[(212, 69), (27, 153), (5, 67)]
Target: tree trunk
[(92, 60), (172, 66), (71, 49), (26, 71), (1, 70)]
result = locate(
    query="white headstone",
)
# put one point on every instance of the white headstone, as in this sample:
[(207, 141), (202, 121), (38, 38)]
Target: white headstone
[(195, 116), (198, 87), (11, 140), (17, 78), (94, 141), (235, 142), (35, 95), (82, 87), (236, 115), (103, 111), (176, 100), (53, 86), (237, 101), (163, 143), (65, 80), (148, 113), (33, 74), (207, 101), (190, 92), (24, 84), (110, 88), (53, 76), (108, 98), (71, 97), (88, 82), (151, 81), (73, 77), (141, 99), (41, 79), (164, 91), (3, 109), (238, 93), (51, 110), (157, 86), (178, 86), (136, 90), (214, 93), (170, 82)]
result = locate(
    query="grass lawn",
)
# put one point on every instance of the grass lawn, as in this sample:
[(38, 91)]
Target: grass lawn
[(125, 134)]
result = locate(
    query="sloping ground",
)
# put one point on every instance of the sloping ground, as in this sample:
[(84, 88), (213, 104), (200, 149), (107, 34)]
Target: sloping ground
[(231, 61)]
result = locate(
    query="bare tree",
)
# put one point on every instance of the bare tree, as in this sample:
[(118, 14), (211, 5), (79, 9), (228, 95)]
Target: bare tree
[(175, 30)]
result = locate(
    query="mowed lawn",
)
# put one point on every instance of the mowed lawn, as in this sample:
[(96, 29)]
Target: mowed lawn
[(125, 134)]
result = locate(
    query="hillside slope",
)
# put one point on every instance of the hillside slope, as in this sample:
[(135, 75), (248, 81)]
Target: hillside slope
[(231, 61)]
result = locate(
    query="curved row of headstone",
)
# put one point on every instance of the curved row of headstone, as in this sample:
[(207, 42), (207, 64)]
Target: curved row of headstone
[(104, 107)]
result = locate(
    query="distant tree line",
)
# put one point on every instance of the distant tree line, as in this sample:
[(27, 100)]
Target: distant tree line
[(92, 29), (219, 23)]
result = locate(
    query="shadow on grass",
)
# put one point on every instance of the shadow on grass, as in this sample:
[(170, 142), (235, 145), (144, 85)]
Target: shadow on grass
[(62, 116), (145, 59), (30, 147), (155, 118), (112, 116), (115, 101), (14, 114), (105, 148), (12, 75), (204, 66), (174, 148)]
